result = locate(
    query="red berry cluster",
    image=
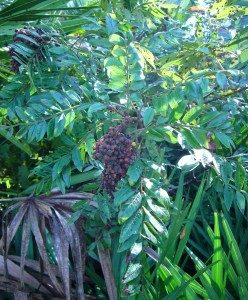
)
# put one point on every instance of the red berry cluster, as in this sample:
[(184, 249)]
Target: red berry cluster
[(116, 151), (34, 39)]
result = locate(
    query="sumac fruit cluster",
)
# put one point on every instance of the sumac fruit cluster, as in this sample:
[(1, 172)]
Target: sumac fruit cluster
[(27, 43), (115, 150)]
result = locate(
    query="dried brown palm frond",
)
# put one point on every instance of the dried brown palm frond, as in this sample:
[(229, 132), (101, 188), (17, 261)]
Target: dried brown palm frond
[(16, 273), (39, 215)]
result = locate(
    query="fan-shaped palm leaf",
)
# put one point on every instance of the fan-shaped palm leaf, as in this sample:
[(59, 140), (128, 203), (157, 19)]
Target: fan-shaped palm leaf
[(53, 212)]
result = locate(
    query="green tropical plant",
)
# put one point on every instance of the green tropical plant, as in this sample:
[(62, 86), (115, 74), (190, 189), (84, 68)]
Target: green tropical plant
[(124, 149)]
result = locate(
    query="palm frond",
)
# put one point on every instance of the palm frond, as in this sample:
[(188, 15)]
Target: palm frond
[(54, 211)]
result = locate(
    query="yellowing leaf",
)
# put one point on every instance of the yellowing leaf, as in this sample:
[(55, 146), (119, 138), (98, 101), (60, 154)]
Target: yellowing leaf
[(171, 74), (147, 55)]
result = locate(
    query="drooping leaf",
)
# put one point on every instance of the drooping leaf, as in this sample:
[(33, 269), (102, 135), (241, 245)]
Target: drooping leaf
[(62, 254), (24, 245), (41, 246), (15, 223)]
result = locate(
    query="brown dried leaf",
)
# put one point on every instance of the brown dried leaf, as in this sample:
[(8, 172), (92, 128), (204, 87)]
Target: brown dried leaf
[(15, 223), (24, 245), (74, 242), (63, 202), (15, 272), (44, 208), (12, 207), (33, 216), (74, 196), (61, 246)]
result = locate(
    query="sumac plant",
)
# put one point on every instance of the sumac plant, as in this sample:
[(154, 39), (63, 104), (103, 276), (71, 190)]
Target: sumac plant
[(123, 132)]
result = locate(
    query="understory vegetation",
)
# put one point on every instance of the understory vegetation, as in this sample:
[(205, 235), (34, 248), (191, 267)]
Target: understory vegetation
[(123, 133)]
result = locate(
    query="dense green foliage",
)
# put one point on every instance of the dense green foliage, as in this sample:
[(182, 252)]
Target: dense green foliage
[(174, 226)]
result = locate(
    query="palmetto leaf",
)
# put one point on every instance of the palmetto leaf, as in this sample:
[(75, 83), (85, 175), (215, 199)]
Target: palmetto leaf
[(33, 216), (15, 271), (50, 214), (22, 11), (34, 266), (74, 241), (24, 245), (18, 6), (62, 252), (15, 223), (12, 207)]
